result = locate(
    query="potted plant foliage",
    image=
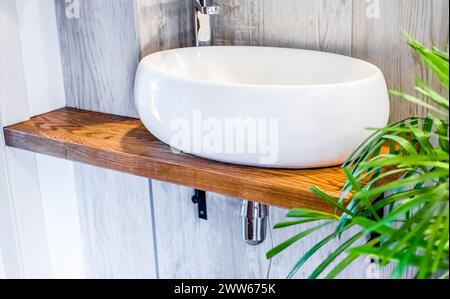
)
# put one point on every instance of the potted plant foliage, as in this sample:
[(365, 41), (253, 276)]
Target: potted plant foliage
[(407, 218)]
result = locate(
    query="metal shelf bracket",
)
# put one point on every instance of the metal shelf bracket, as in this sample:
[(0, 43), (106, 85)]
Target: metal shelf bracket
[(199, 199)]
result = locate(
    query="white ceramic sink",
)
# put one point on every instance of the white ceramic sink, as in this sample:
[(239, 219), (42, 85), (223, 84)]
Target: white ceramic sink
[(259, 106)]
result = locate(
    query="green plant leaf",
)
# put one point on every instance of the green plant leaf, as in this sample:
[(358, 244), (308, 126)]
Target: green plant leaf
[(348, 260), (443, 242), (427, 91), (334, 255), (410, 184), (314, 249), (373, 226), (273, 252), (330, 200), (415, 100), (436, 62), (294, 222), (402, 183), (307, 213)]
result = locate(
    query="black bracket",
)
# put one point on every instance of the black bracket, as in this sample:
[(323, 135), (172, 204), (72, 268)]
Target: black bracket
[(199, 199)]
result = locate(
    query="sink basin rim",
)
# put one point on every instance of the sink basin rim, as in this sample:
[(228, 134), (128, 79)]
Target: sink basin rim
[(147, 60)]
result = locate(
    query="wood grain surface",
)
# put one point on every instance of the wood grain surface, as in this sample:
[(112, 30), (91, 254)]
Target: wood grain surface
[(123, 144)]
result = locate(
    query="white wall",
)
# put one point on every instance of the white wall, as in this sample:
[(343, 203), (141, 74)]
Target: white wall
[(9, 250), (39, 225), (62, 223), (2, 268), (13, 108)]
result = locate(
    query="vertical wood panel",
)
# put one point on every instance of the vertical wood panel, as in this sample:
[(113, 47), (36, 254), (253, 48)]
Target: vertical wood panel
[(100, 54), (116, 223), (238, 23), (308, 24), (380, 41), (192, 248)]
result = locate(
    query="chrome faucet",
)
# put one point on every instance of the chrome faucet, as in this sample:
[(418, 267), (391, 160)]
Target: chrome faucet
[(254, 222), (203, 12)]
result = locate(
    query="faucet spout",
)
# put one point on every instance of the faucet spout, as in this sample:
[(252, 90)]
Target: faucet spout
[(254, 221), (203, 13), (203, 8)]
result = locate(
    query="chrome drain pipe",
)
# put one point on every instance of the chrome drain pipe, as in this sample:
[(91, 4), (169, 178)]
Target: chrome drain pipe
[(254, 222)]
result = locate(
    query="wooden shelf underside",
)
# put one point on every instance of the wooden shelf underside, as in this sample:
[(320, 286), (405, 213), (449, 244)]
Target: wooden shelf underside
[(123, 144)]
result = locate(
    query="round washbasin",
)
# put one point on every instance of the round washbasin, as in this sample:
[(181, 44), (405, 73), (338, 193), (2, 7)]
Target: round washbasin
[(269, 107)]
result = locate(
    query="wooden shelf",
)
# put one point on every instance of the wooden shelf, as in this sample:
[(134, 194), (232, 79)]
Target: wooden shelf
[(123, 144)]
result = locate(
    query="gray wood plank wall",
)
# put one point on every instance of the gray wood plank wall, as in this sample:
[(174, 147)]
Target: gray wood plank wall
[(116, 223), (380, 41), (348, 27), (165, 24), (100, 54)]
